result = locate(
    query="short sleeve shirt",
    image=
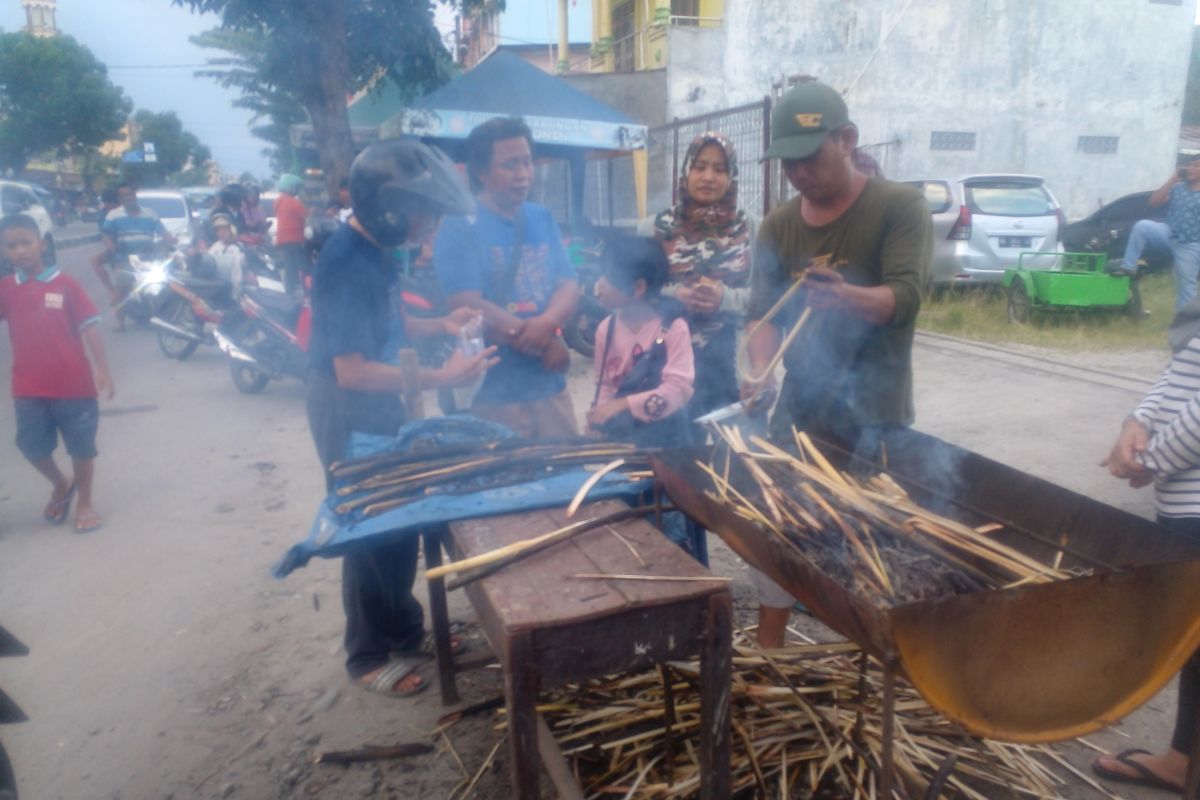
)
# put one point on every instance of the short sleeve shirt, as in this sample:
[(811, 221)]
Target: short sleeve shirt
[(46, 316), (474, 255), (354, 312), (842, 370), (133, 234), (1183, 213)]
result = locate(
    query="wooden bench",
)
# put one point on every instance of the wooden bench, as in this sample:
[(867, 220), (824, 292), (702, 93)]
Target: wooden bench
[(549, 628)]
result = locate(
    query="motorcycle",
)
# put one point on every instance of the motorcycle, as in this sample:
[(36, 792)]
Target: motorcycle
[(10, 712), (144, 279), (198, 302), (265, 336)]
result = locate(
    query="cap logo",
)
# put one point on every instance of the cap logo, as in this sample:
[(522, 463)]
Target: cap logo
[(809, 120)]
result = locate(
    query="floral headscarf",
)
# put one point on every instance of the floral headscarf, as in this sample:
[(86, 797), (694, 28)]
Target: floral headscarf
[(710, 241)]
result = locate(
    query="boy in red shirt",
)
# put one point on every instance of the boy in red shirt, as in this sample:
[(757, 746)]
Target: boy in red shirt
[(49, 318)]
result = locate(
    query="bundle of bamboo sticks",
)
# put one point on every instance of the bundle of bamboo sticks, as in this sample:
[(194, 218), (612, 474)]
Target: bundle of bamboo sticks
[(373, 485), (865, 531), (801, 728)]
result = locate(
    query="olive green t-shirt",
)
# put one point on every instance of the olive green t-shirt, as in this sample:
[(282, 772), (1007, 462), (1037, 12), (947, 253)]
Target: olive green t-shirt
[(843, 372)]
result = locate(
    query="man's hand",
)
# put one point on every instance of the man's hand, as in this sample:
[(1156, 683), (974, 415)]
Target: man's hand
[(453, 322), (824, 287), (461, 370), (601, 413), (1122, 459), (535, 336), (105, 385)]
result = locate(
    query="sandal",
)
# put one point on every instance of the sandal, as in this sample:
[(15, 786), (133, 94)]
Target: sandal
[(426, 648), (89, 522), (1144, 777), (395, 671), (57, 510)]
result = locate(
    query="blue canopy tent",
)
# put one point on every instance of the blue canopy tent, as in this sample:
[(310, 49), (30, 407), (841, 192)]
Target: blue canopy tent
[(566, 122)]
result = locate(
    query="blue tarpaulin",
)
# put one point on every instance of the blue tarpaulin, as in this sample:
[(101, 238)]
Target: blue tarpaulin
[(333, 535)]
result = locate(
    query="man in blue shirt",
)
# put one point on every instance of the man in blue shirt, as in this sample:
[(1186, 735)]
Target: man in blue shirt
[(509, 262), (129, 230), (1181, 232), (398, 189)]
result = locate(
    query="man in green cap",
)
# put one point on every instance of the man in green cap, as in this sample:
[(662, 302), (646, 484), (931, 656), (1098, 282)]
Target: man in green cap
[(860, 247)]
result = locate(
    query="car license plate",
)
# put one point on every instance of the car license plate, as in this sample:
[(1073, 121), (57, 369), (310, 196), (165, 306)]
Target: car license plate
[(1016, 241)]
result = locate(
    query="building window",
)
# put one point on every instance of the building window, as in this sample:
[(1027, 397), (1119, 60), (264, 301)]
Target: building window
[(952, 140), (1098, 144), (685, 12), (623, 39)]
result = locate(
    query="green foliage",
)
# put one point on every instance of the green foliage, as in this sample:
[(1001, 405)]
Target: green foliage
[(182, 158), (314, 53), (54, 95)]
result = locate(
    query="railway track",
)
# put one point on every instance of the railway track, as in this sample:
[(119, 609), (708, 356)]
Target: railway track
[(955, 347)]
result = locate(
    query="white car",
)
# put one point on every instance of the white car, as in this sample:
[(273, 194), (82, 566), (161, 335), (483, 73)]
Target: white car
[(983, 223), (174, 211), (18, 198)]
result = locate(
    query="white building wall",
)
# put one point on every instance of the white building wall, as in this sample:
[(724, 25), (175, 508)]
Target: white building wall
[(1028, 77)]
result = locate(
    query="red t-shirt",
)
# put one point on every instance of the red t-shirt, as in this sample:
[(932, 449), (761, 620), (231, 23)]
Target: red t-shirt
[(45, 318), (289, 219)]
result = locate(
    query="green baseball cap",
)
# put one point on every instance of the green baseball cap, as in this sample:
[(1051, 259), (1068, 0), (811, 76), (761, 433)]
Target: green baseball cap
[(803, 118)]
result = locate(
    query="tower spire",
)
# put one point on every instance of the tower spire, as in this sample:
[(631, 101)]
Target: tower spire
[(39, 17)]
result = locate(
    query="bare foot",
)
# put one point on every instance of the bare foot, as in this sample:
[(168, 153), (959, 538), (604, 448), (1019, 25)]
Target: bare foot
[(60, 502), (1170, 767), (409, 684)]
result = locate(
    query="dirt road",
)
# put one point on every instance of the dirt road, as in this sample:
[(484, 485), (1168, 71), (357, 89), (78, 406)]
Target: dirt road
[(167, 663)]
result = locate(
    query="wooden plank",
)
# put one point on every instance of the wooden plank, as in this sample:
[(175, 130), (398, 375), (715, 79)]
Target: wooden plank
[(716, 659), (439, 616), (555, 764), (521, 687)]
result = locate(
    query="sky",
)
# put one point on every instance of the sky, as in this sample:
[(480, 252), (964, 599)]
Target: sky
[(536, 21), (142, 42)]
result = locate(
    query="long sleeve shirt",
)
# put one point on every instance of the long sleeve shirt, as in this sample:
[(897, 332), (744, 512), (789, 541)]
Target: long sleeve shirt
[(1171, 413), (678, 375)]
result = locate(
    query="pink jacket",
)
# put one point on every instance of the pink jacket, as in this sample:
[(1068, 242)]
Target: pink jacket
[(678, 376)]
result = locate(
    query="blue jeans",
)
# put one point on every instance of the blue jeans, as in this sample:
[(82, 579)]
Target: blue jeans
[(1144, 232), (1187, 268), (1186, 256)]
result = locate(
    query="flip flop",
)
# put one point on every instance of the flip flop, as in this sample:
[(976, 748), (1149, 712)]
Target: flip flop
[(89, 522), (396, 670), (57, 510), (1144, 777), (426, 648)]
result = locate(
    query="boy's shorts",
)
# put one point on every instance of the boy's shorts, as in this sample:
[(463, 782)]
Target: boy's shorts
[(41, 419)]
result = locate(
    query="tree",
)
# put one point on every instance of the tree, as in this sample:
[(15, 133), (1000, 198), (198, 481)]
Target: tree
[(180, 157), (54, 95), (275, 111), (317, 52)]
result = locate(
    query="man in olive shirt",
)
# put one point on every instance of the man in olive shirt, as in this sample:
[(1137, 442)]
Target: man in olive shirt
[(861, 248)]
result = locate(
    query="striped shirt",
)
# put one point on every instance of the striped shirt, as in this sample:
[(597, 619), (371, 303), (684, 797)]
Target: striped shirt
[(1171, 413)]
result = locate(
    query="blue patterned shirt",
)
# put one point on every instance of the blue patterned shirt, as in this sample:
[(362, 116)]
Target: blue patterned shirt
[(1183, 213)]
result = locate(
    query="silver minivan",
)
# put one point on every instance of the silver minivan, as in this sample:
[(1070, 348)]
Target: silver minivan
[(983, 223)]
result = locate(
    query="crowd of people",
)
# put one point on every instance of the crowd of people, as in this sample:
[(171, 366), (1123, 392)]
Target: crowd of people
[(846, 259)]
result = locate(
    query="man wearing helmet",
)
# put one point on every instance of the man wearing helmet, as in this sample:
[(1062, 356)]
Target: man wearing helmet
[(398, 189), (509, 263)]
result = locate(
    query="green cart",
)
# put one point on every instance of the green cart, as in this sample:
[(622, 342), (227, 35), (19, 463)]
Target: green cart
[(1067, 282)]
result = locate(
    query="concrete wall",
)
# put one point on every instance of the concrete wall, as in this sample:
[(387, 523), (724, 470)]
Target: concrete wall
[(641, 95), (1028, 77)]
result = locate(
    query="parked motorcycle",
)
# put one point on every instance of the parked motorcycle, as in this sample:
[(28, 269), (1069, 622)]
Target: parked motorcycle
[(144, 279), (10, 712), (265, 336)]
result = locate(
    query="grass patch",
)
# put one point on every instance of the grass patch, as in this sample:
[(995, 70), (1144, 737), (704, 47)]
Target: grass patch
[(979, 313)]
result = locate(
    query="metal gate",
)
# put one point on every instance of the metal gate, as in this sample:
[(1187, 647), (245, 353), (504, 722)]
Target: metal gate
[(748, 128)]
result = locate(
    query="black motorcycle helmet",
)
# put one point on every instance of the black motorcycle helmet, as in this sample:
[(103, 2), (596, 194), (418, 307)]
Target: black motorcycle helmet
[(392, 179)]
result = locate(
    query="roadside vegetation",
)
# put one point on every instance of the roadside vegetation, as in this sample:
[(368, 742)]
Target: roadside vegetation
[(979, 314)]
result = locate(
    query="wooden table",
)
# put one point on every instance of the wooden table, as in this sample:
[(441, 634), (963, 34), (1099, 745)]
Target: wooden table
[(549, 628)]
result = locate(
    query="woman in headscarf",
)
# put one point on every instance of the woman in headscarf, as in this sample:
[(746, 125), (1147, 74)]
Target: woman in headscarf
[(708, 241)]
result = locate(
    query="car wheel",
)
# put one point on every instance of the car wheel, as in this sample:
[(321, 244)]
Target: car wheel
[(51, 252), (1020, 306)]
